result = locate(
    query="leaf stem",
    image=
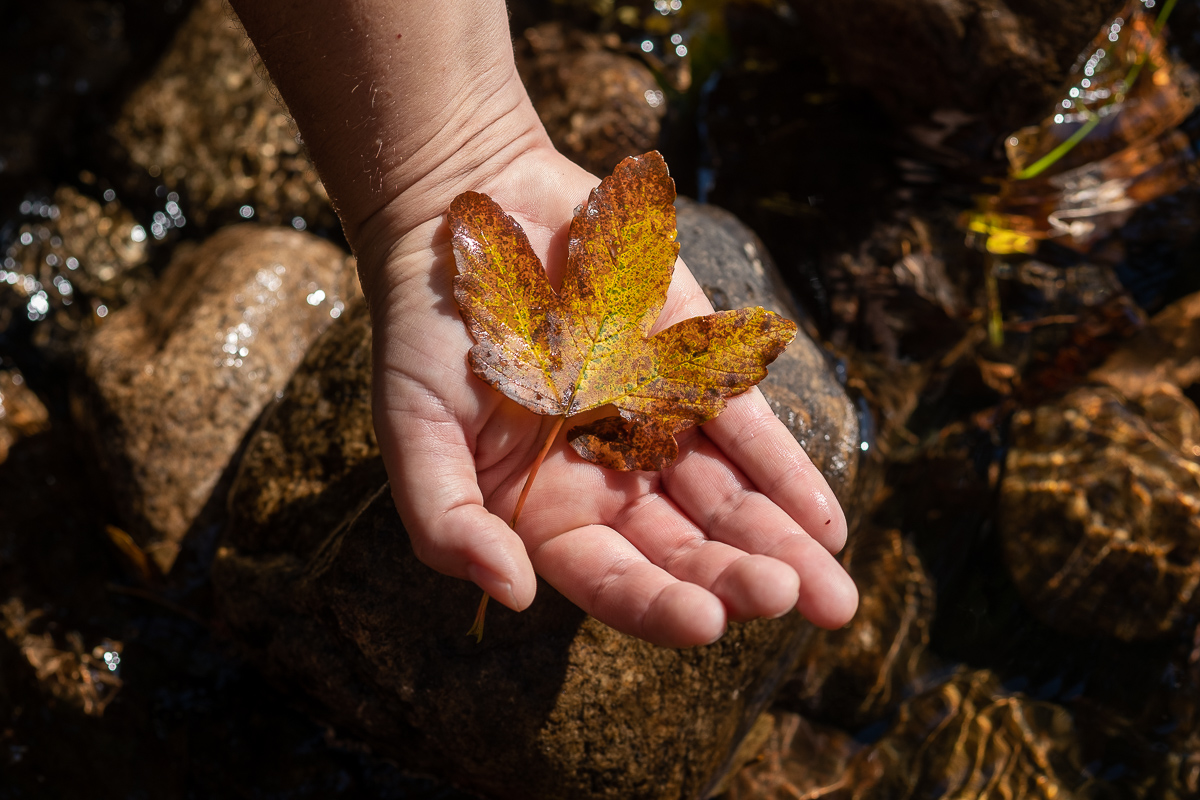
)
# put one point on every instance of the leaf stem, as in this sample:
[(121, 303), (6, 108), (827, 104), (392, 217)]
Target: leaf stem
[(533, 471), (477, 626)]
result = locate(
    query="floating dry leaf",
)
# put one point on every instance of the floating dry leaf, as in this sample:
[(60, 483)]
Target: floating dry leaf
[(1111, 145)]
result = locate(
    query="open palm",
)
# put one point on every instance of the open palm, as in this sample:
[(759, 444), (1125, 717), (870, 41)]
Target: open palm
[(742, 525)]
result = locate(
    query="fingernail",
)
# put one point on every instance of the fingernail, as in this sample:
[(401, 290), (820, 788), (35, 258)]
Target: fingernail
[(499, 588)]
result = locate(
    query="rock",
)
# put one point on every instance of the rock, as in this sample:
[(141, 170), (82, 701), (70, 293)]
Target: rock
[(75, 261), (735, 270), (800, 759), (1102, 492), (859, 673), (1168, 351), (1099, 514), (72, 674), (21, 412), (1000, 58), (316, 580), (208, 125), (970, 738), (173, 382), (598, 106)]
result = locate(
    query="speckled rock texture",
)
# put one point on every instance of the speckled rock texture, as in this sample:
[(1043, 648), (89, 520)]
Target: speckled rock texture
[(21, 412), (971, 738), (73, 261), (173, 382), (856, 674), (209, 125), (800, 759), (1001, 59), (597, 104), (1100, 503), (733, 266), (316, 580)]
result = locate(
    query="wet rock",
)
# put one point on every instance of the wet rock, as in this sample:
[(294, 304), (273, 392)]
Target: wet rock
[(1099, 512), (799, 759), (174, 381), (857, 674), (1002, 59), (1102, 490), (970, 738), (316, 580), (1168, 351), (208, 125), (86, 679), (735, 270), (21, 412), (1099, 508), (598, 105), (72, 263)]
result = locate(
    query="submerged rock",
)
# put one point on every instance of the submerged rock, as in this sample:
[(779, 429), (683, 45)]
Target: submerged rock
[(75, 261), (316, 580), (859, 673), (209, 125), (21, 412), (970, 738), (598, 105), (173, 382), (800, 759), (1100, 503)]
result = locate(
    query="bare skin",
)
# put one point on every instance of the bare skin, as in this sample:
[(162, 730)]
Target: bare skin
[(403, 105)]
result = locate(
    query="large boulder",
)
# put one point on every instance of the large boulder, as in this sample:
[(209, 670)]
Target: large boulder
[(316, 580), (173, 382)]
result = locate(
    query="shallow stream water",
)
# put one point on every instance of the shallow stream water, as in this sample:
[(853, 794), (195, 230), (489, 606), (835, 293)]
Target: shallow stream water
[(758, 124)]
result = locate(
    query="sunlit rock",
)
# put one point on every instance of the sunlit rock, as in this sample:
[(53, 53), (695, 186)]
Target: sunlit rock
[(209, 125), (21, 412), (316, 580), (598, 105), (174, 381), (1100, 503)]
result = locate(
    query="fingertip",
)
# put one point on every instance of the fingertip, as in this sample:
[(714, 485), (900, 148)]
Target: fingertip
[(498, 587), (828, 601), (469, 542), (684, 615)]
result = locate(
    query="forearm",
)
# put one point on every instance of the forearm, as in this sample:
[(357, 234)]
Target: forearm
[(402, 105)]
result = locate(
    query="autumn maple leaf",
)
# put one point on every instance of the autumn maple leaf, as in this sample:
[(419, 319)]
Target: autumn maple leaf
[(589, 344)]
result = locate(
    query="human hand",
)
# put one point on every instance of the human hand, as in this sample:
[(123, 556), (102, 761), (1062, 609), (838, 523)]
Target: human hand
[(741, 526)]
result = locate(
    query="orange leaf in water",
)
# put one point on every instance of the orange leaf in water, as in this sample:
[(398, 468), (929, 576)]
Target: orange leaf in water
[(589, 345)]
